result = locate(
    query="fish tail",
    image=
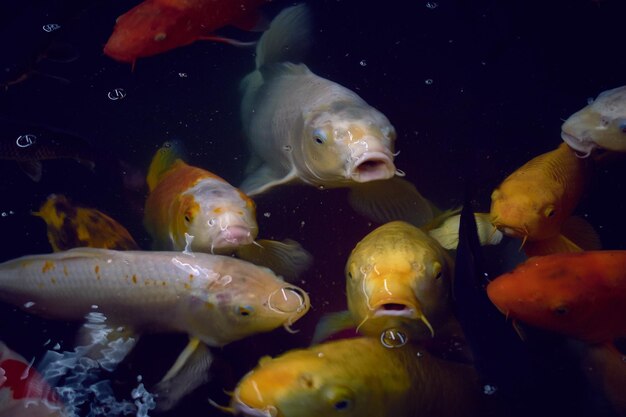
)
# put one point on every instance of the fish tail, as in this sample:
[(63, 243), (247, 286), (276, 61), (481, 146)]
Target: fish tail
[(162, 161), (287, 39)]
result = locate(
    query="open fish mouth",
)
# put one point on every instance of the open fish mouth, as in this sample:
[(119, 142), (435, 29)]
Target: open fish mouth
[(395, 309), (372, 166), (582, 145)]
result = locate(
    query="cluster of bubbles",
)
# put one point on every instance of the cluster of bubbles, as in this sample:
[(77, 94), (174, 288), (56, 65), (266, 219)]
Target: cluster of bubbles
[(75, 375)]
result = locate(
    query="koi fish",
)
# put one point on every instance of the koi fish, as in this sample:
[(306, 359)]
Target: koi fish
[(156, 26), (580, 295), (29, 145), (190, 208), (599, 125), (397, 277), (306, 129), (536, 201), (71, 226), (216, 299), (357, 377), (23, 391)]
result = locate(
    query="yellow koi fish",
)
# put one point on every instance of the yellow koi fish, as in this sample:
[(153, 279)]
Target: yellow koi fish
[(536, 201), (357, 378), (397, 277), (190, 208), (307, 129), (72, 226), (599, 125)]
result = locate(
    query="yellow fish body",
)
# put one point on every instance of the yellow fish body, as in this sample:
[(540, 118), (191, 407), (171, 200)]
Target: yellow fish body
[(216, 299), (535, 201), (601, 124), (397, 277), (70, 226), (357, 378)]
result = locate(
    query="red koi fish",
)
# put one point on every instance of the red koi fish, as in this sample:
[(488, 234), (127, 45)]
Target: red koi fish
[(156, 26), (582, 295), (23, 391)]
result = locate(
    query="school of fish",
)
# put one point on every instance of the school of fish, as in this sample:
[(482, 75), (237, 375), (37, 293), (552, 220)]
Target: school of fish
[(205, 274)]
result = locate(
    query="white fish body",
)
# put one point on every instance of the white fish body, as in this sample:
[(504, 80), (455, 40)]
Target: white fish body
[(601, 124), (304, 127), (217, 299)]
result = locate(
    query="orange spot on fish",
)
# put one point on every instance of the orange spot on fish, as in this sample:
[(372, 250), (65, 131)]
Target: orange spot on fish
[(187, 286), (218, 210), (134, 279), (47, 266), (190, 277), (97, 269), (53, 280)]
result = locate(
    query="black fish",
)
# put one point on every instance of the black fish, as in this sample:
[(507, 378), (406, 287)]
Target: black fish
[(29, 145), (537, 376)]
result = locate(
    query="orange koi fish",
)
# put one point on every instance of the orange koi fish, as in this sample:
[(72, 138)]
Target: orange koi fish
[(582, 295), (157, 26), (190, 208), (71, 226), (23, 391), (536, 201)]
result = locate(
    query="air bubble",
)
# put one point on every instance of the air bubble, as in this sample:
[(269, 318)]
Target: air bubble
[(428, 81), (393, 338), (432, 5), (363, 63), (400, 173)]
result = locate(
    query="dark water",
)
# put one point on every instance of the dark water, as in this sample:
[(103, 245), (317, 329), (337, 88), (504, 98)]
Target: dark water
[(473, 88)]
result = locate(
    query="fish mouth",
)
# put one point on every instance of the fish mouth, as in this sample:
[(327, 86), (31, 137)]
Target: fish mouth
[(233, 236), (582, 145), (372, 166), (395, 309), (242, 409)]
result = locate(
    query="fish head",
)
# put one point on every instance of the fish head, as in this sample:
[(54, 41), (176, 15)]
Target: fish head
[(525, 210), (601, 124), (300, 383), (148, 29), (217, 217), (399, 285), (548, 293), (344, 145), (245, 299)]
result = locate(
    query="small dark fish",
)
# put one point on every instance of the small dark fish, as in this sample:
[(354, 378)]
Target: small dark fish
[(29, 145)]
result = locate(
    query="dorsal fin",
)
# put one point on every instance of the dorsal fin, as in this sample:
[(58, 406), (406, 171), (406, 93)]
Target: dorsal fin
[(162, 161)]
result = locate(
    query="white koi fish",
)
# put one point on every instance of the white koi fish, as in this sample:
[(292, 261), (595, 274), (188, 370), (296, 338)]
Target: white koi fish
[(601, 124), (305, 128), (216, 299)]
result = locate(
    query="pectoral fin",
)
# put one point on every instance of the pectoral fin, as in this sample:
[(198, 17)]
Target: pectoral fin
[(557, 244), (388, 200), (330, 324), (265, 178), (447, 233), (579, 231), (188, 372), (287, 258)]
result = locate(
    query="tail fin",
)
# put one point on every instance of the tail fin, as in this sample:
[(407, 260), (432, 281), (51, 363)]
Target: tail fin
[(287, 39), (162, 160)]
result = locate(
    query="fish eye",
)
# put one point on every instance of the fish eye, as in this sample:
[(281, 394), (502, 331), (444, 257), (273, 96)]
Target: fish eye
[(550, 212), (187, 218), (340, 398), (437, 270), (245, 311), (342, 405), (622, 125), (319, 136), (560, 310)]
